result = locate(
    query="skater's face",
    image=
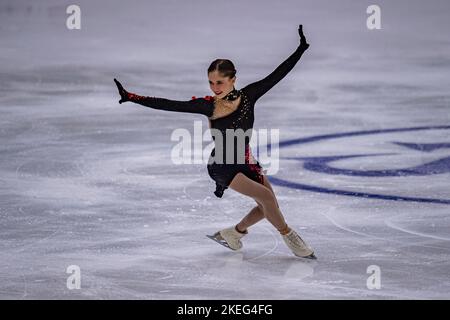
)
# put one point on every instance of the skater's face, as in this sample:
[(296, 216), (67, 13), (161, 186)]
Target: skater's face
[(220, 85)]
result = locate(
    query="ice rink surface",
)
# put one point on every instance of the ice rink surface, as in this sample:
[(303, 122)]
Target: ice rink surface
[(364, 150)]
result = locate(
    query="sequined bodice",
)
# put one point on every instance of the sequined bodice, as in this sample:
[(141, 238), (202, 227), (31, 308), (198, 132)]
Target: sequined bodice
[(242, 118)]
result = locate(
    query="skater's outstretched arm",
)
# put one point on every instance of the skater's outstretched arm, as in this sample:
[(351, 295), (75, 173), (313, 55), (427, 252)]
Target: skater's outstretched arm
[(201, 105), (256, 89)]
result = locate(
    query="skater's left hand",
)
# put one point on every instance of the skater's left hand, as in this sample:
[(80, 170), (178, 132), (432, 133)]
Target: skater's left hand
[(123, 93), (303, 44)]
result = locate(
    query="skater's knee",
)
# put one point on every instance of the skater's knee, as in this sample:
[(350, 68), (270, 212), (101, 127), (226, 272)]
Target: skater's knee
[(259, 205), (267, 199), (261, 194)]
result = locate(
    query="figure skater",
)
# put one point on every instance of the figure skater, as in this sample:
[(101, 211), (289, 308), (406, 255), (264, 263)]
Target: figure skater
[(231, 109)]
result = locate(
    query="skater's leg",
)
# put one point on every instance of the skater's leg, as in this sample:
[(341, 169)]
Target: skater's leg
[(257, 213), (268, 185), (263, 195), (292, 239)]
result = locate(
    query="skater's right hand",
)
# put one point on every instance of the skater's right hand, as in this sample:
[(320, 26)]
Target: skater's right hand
[(303, 44), (123, 93)]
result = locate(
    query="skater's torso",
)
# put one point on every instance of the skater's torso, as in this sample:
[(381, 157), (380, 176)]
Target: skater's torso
[(232, 120)]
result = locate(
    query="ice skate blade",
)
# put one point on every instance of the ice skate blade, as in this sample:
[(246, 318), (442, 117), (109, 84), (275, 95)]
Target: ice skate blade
[(310, 257), (218, 238)]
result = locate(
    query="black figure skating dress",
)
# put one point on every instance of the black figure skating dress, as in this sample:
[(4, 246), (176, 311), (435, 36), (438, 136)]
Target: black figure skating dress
[(242, 118)]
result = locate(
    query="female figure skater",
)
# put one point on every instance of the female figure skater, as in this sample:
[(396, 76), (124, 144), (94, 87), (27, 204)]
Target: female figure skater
[(232, 109)]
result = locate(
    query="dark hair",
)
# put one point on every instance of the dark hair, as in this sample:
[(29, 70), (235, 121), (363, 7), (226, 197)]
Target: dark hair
[(224, 66)]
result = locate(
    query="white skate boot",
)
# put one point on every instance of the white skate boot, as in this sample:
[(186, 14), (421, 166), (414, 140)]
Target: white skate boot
[(298, 246), (229, 238)]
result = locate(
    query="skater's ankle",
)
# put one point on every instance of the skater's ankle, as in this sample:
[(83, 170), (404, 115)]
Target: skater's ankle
[(238, 230), (284, 230)]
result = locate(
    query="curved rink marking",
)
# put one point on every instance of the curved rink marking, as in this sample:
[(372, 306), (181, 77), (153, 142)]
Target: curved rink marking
[(306, 187)]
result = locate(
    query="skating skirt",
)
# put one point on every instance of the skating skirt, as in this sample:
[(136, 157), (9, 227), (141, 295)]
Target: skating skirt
[(224, 173)]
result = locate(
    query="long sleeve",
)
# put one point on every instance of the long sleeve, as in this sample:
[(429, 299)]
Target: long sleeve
[(256, 89), (203, 106)]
